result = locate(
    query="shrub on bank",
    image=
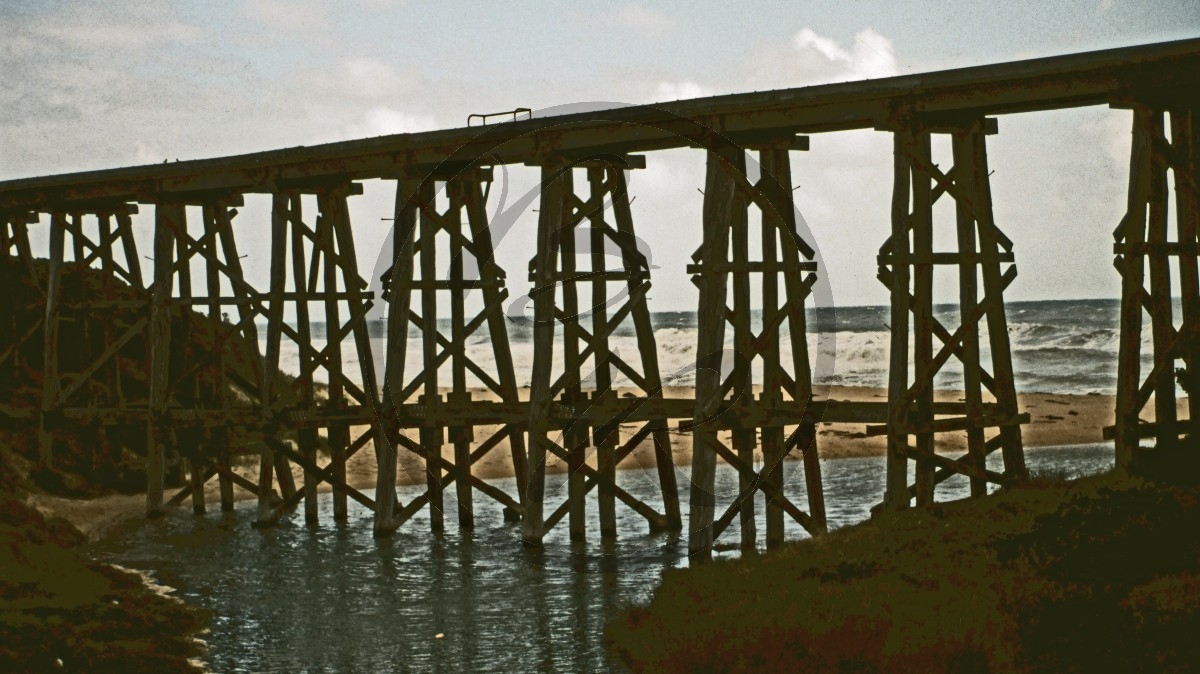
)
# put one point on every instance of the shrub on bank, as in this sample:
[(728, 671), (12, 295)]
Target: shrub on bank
[(1095, 575), (60, 611)]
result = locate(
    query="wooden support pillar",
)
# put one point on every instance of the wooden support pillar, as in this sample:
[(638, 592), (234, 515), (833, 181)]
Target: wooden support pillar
[(968, 296), (602, 222), (494, 295), (1185, 138), (1132, 233), (194, 381), (460, 436), (336, 211), (219, 221), (921, 224), (270, 397), (605, 438), (550, 221), (328, 276), (214, 385), (637, 267), (896, 496), (187, 390), (133, 263), (779, 210), (68, 368), (400, 276), (1143, 241), (170, 223), (744, 438), (82, 352), (721, 204), (470, 267), (728, 194), (432, 435), (337, 433), (773, 382), (15, 246), (575, 434), (10, 328), (306, 436), (20, 241), (50, 339), (991, 242), (906, 261), (1161, 321)]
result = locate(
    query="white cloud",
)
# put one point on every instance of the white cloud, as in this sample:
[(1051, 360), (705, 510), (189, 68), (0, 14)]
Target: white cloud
[(677, 91), (810, 58), (111, 34), (830, 48), (384, 121), (871, 56), (648, 22), (147, 153)]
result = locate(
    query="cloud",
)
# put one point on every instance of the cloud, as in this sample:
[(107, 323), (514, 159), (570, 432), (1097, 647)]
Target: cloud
[(676, 91), (383, 121), (647, 22), (145, 153), (110, 34), (871, 56), (810, 58)]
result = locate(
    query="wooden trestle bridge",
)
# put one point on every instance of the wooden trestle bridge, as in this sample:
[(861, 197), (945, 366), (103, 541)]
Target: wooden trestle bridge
[(184, 417)]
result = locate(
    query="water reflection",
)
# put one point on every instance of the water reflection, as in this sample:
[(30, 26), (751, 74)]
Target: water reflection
[(296, 598)]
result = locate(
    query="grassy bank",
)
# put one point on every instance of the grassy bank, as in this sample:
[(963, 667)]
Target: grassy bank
[(60, 611), (1098, 575)]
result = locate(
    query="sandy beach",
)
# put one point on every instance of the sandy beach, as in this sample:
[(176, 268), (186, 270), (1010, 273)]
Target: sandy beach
[(1055, 420)]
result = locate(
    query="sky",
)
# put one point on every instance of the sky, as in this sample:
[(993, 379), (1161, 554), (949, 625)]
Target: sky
[(93, 85)]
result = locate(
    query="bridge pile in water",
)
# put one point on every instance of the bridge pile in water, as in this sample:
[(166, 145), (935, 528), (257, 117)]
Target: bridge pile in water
[(191, 407)]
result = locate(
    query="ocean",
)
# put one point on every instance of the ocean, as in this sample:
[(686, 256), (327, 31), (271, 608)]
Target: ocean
[(1058, 346)]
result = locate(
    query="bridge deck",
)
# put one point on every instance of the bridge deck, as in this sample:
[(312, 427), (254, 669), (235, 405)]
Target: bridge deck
[(1091, 78)]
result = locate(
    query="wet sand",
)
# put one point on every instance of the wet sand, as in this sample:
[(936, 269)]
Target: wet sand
[(1055, 419)]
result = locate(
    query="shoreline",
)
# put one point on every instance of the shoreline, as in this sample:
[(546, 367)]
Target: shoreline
[(1055, 420)]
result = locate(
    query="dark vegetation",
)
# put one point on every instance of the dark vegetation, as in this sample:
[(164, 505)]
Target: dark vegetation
[(1097, 575), (58, 606), (89, 457)]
